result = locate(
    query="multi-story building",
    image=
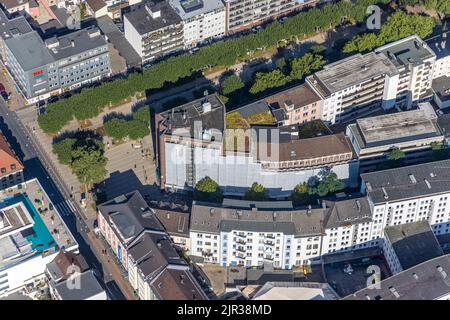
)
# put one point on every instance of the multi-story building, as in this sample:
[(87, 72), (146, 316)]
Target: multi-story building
[(31, 234), (16, 6), (295, 106), (157, 272), (407, 245), (409, 194), (414, 132), (202, 20), (11, 169), (252, 233), (441, 49), (10, 27), (69, 278), (145, 250), (194, 142), (355, 87), (58, 64), (245, 14), (426, 281), (154, 30), (415, 62), (176, 223)]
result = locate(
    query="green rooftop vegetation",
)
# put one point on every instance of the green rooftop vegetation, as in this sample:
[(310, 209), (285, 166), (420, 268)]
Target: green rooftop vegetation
[(313, 129)]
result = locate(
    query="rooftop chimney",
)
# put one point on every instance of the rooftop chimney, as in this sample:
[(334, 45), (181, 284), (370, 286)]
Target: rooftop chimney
[(153, 12)]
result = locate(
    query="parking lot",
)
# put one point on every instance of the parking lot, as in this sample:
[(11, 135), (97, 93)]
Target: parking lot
[(345, 283)]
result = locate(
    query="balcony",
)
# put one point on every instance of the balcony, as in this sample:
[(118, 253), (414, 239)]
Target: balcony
[(269, 242), (240, 241), (240, 249), (269, 237)]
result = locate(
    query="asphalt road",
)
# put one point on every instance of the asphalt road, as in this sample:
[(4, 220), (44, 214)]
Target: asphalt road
[(37, 166)]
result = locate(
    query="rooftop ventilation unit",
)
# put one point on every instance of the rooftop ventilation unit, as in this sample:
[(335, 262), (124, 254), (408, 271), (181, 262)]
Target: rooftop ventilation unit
[(206, 107), (412, 178)]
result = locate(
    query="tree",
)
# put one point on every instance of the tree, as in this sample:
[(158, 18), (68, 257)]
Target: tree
[(137, 129), (89, 165), (116, 128), (257, 192), (91, 101), (305, 65), (232, 84), (208, 190), (327, 182), (396, 154), (63, 150), (268, 80), (143, 114), (300, 195), (281, 64), (399, 25)]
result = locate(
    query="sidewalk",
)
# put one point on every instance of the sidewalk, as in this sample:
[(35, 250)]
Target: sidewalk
[(109, 264)]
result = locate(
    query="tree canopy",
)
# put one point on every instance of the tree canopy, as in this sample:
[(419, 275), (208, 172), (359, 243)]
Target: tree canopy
[(208, 190), (399, 25), (257, 192), (396, 154), (90, 101), (232, 84)]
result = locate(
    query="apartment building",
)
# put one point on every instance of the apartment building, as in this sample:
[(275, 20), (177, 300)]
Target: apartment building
[(11, 169), (194, 142), (426, 281), (16, 6), (245, 14), (122, 219), (145, 250), (415, 62), (69, 278), (154, 30), (157, 272), (441, 49), (176, 223), (410, 244), (10, 27), (413, 132), (241, 233), (354, 87), (296, 106), (202, 20), (59, 64), (409, 194), (31, 235)]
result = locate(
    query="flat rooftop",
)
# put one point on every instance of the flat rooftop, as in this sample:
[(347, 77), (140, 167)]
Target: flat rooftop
[(441, 87), (351, 71), (411, 50), (408, 182), (397, 127), (38, 229), (32, 52), (440, 45), (143, 22), (426, 281), (214, 218), (188, 9), (413, 243), (183, 120), (298, 96)]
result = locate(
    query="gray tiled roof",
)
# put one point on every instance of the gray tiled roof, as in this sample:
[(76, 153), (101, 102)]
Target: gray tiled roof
[(427, 281), (130, 214), (413, 243), (89, 287), (408, 182), (347, 211), (213, 218), (152, 252)]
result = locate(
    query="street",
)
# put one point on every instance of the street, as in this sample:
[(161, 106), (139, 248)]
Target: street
[(36, 166)]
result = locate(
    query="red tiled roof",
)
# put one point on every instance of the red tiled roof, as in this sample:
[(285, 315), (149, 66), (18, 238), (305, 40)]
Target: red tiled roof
[(9, 163)]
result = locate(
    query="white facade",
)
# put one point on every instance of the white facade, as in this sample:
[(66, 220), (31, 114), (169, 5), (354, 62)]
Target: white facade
[(205, 23), (246, 248)]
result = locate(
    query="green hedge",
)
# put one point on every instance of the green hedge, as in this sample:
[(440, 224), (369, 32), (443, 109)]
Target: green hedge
[(91, 101)]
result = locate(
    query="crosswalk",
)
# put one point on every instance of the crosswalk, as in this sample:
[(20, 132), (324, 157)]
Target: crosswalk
[(65, 208)]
